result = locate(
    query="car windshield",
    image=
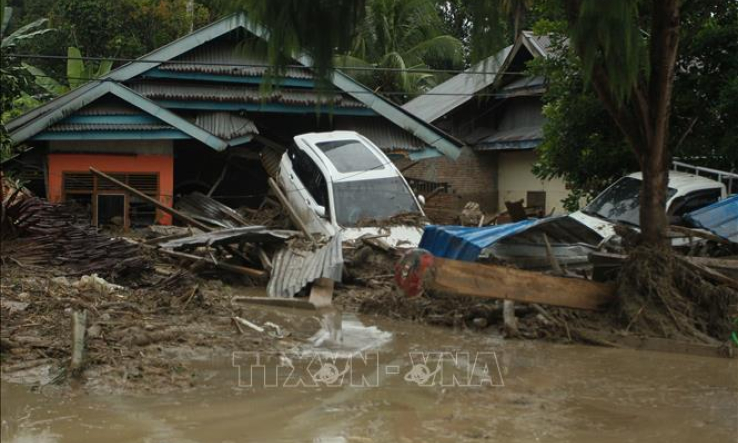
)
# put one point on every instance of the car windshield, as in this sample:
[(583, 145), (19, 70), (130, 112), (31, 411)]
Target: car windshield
[(620, 203), (374, 199), (350, 155)]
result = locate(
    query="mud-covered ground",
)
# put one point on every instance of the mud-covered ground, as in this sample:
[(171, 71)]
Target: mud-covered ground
[(137, 338)]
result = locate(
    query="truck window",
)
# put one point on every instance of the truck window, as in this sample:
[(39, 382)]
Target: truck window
[(693, 201), (350, 155), (310, 175)]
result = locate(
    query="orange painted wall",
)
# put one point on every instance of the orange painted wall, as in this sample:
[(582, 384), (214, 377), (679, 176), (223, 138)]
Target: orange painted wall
[(161, 164)]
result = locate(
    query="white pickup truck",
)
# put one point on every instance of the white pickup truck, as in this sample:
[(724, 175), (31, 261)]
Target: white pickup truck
[(619, 203), (335, 180)]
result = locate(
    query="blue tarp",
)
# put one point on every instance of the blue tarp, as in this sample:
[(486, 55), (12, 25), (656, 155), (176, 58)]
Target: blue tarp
[(720, 218), (462, 243)]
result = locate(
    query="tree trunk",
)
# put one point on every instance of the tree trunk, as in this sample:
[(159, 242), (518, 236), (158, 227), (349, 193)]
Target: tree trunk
[(653, 219)]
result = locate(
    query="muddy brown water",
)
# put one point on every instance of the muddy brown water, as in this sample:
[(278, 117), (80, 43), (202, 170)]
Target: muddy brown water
[(412, 384)]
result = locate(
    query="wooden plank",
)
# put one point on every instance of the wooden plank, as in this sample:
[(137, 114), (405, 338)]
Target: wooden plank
[(299, 303), (290, 210), (478, 280), (227, 266)]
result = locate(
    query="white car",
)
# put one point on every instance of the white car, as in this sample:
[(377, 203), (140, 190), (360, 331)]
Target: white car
[(335, 180), (619, 203)]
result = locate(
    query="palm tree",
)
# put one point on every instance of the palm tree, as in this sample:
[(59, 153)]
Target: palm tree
[(397, 35)]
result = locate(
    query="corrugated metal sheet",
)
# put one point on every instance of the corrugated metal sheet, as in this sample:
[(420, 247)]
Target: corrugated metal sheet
[(226, 125), (211, 211), (257, 234), (458, 90), (222, 53), (462, 243), (524, 86), (541, 43), (524, 244), (239, 94), (527, 137), (293, 269), (383, 133), (74, 127), (109, 106), (720, 218)]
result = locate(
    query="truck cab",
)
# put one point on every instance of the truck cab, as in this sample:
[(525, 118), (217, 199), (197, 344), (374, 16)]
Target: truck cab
[(341, 181), (620, 202)]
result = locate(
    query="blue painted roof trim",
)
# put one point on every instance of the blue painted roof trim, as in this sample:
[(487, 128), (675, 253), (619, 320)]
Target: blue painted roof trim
[(102, 88), (508, 145), (720, 218), (123, 119), (159, 134)]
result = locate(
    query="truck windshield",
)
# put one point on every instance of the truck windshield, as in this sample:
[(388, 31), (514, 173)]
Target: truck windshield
[(620, 203), (374, 199)]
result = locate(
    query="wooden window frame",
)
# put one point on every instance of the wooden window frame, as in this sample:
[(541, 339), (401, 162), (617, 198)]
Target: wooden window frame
[(95, 192)]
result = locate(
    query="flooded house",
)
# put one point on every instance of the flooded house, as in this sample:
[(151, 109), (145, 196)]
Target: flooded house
[(496, 109), (200, 114)]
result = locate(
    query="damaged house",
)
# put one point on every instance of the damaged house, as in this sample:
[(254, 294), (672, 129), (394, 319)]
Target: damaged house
[(497, 112), (194, 116)]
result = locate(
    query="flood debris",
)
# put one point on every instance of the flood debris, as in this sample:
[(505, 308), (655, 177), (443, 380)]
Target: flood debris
[(53, 234)]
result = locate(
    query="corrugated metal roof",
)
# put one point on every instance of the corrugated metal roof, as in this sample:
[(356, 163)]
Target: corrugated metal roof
[(74, 127), (526, 137), (109, 106), (540, 43), (387, 136), (240, 94), (720, 218), (226, 125), (293, 268), (457, 90), (224, 52), (462, 243), (526, 85), (523, 239)]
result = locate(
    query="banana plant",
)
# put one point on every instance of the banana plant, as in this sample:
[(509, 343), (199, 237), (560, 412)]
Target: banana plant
[(78, 73), (27, 32)]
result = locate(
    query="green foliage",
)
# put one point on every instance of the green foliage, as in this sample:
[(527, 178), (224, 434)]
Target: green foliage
[(13, 78), (581, 144), (706, 85), (399, 35), (78, 73), (320, 28), (108, 28), (608, 33)]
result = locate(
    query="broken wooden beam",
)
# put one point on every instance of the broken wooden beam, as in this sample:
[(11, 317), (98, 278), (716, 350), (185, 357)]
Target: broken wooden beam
[(419, 271), (175, 213), (290, 209), (219, 264)]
